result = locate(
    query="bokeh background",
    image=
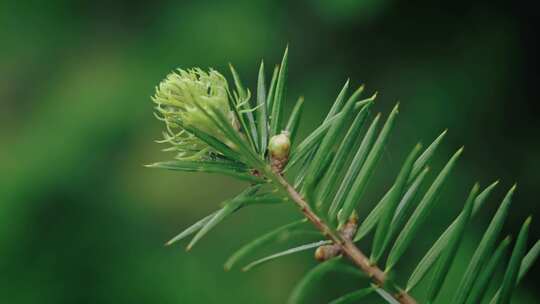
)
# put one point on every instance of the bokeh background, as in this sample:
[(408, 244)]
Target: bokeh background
[(81, 219)]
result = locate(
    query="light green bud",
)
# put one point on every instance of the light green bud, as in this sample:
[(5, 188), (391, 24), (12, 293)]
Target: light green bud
[(179, 99), (279, 146)]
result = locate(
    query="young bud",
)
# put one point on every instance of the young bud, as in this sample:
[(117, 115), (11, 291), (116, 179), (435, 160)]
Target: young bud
[(327, 252), (181, 99), (279, 148)]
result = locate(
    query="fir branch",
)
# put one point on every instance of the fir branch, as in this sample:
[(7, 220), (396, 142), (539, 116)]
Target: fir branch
[(214, 129)]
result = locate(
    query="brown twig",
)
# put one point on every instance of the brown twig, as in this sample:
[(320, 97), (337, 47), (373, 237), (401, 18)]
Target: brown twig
[(346, 245)]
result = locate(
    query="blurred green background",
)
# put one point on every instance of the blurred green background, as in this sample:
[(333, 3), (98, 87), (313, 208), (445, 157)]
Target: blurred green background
[(82, 221)]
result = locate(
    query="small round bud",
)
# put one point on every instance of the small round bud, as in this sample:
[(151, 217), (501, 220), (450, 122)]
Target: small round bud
[(279, 146), (327, 252), (320, 254)]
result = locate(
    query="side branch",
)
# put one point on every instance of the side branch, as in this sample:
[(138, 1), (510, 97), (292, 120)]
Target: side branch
[(347, 246)]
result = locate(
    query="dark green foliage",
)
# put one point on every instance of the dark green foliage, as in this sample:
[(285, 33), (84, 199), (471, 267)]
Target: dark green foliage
[(279, 97), (310, 143), (262, 121), (359, 186), (294, 120), (271, 91), (406, 203), (526, 264), (511, 276), (447, 257), (420, 214), (484, 249), (426, 156), (389, 206), (322, 156), (434, 252), (353, 170), (480, 286), (325, 188), (338, 103), (529, 260)]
